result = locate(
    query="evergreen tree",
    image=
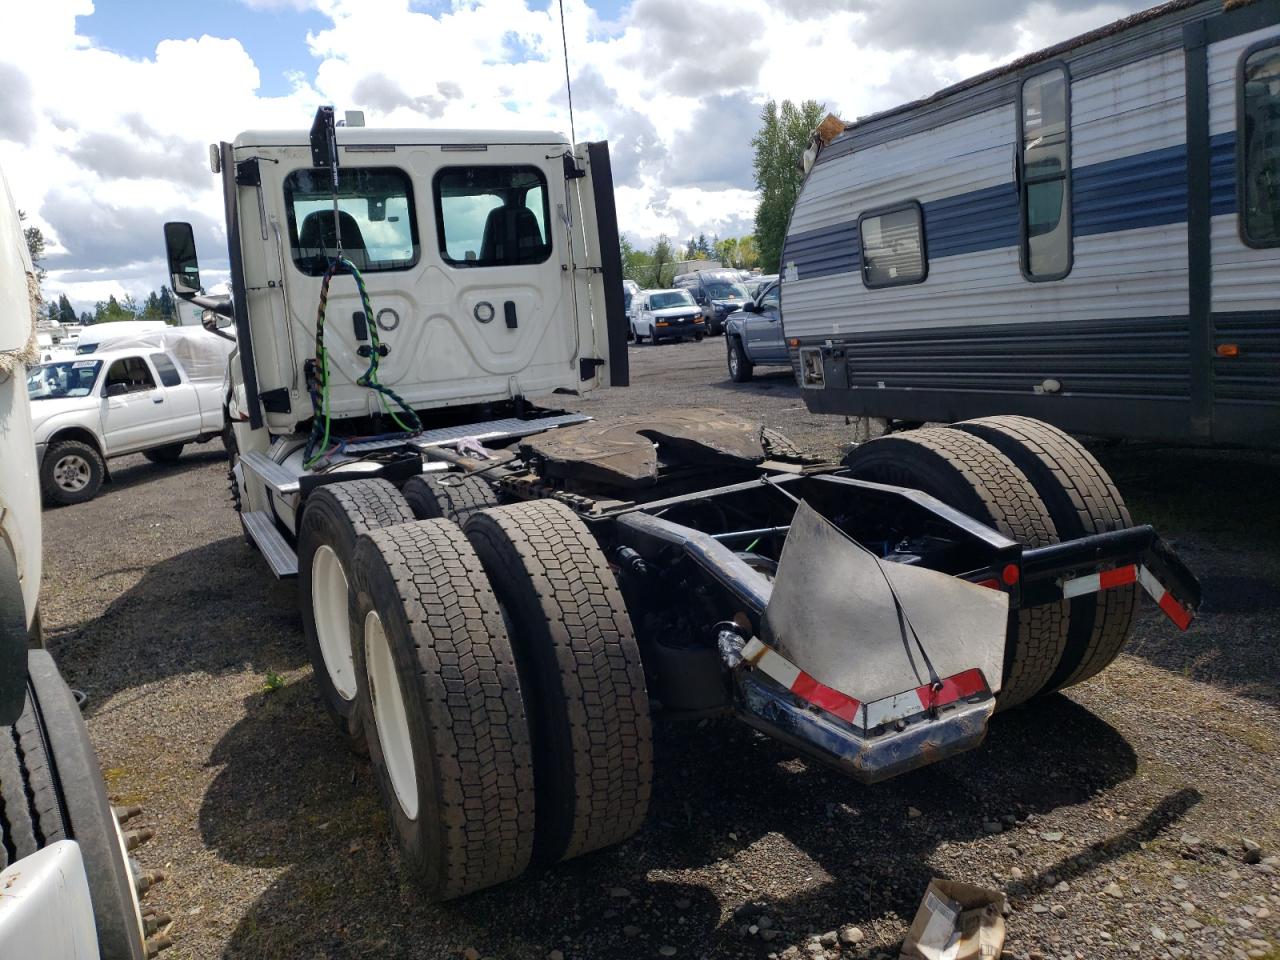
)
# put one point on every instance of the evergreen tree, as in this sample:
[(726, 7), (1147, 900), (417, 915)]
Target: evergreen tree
[(784, 134), (66, 312)]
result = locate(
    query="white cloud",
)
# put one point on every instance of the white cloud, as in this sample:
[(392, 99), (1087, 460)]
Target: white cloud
[(100, 148)]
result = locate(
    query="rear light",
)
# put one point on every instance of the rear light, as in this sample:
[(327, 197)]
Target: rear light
[(794, 342), (1228, 350), (1010, 574)]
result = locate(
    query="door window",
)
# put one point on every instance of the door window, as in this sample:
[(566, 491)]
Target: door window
[(129, 375), (169, 375), (375, 217), (1258, 141), (772, 298), (492, 216), (1045, 171)]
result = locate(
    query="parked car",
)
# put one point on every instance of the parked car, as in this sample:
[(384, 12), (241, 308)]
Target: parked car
[(718, 292), (90, 408), (629, 290), (753, 335), (667, 315)]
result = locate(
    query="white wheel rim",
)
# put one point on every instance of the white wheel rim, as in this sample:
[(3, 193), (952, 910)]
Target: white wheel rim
[(389, 716), (71, 472), (333, 625)]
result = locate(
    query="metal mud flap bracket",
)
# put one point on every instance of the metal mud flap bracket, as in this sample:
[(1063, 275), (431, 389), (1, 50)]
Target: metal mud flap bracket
[(873, 667)]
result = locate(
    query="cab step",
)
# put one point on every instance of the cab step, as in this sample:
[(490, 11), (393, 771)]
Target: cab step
[(261, 528)]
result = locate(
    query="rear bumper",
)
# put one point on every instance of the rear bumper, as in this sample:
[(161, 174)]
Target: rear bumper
[(867, 756)]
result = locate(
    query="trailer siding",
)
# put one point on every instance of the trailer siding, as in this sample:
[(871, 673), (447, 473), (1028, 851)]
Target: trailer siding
[(1119, 325)]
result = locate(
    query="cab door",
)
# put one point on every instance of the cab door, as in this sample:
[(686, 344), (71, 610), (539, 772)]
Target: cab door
[(765, 343), (133, 411)]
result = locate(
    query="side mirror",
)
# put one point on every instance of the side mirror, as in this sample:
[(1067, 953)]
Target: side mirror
[(117, 389), (750, 307), (184, 267)]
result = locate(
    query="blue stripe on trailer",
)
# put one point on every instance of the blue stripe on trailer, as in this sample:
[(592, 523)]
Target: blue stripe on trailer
[(1141, 190)]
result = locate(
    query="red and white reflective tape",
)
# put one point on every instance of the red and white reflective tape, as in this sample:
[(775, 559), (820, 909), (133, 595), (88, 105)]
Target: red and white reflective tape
[(1122, 577), (1102, 580), (1164, 599), (777, 667), (897, 707)]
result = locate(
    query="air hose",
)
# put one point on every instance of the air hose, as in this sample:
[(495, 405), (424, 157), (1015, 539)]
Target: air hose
[(318, 447)]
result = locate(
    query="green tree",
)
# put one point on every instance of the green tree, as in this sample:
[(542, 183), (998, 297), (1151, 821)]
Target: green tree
[(66, 312), (112, 310), (637, 265), (662, 264), (168, 306), (86, 317), (35, 247), (52, 312), (784, 133)]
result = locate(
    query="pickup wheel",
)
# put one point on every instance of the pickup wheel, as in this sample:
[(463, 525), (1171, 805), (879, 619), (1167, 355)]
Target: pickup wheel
[(1083, 500), (580, 672), (967, 473), (336, 514), (448, 736), (169, 453), (740, 368), (71, 472), (453, 496)]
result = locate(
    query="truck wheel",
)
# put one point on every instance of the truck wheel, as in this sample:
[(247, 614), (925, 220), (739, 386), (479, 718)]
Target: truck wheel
[(1083, 500), (449, 740), (169, 453), (454, 496), (969, 474), (334, 517), (580, 671), (71, 472), (79, 790), (740, 368)]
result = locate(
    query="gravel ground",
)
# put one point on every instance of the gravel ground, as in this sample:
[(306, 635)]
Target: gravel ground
[(1115, 817)]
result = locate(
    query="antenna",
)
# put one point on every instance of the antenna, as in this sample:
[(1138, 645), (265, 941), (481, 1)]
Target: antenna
[(573, 135)]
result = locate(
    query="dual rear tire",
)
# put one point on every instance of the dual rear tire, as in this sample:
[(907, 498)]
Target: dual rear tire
[(1037, 485), (501, 693)]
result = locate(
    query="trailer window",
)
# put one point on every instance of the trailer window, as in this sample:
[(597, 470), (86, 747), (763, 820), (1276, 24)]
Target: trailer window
[(1259, 147), (492, 216), (1045, 168), (893, 246), (375, 216)]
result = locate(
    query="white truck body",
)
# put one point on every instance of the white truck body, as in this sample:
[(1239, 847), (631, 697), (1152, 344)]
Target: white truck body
[(45, 908)]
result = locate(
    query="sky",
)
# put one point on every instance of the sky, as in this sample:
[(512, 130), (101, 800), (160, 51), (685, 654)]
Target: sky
[(107, 109)]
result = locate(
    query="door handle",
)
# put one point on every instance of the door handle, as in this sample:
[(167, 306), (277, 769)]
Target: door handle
[(157, 399)]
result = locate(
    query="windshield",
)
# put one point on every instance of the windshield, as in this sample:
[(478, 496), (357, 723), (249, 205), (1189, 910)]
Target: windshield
[(676, 298), (723, 290), (69, 378)]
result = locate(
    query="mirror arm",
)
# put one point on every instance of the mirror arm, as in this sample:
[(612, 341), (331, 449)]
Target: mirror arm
[(222, 308)]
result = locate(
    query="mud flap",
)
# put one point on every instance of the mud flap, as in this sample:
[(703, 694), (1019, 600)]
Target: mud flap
[(873, 666)]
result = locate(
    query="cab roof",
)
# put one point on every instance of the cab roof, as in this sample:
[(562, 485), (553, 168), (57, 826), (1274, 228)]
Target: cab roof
[(396, 136)]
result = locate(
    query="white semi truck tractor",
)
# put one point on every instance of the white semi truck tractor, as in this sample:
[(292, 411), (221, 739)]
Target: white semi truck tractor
[(498, 596), (69, 889)]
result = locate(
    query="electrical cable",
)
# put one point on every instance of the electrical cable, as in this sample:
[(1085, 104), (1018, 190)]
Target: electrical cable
[(564, 40), (318, 381)]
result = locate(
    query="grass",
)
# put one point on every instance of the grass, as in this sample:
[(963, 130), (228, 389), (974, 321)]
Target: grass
[(273, 682)]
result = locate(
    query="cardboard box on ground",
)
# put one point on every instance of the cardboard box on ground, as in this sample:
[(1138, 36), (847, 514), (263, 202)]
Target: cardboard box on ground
[(956, 921)]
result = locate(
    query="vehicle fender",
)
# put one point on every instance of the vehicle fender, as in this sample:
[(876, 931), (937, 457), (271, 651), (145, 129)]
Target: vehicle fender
[(46, 913), (73, 427)]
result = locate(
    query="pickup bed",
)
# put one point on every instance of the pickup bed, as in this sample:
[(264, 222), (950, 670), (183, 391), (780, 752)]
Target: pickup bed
[(90, 408)]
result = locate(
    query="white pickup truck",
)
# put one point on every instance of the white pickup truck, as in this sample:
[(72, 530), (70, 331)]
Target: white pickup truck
[(137, 399)]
